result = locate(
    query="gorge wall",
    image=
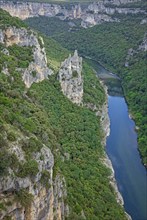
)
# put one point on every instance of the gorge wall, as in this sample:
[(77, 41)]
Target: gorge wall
[(28, 189), (37, 69), (92, 14), (71, 80)]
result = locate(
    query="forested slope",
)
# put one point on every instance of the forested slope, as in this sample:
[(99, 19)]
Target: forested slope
[(39, 118), (110, 44)]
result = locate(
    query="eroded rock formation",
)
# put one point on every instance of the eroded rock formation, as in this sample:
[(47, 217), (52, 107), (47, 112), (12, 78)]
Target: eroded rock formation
[(94, 13), (47, 194), (71, 80), (37, 69)]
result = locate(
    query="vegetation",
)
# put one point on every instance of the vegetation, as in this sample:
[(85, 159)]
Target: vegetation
[(109, 43), (7, 21), (52, 26), (45, 179), (42, 114), (23, 197)]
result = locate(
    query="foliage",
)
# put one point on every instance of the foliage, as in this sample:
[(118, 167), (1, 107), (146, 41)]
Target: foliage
[(55, 53), (31, 145), (109, 43), (23, 197), (51, 24), (29, 168), (7, 160), (23, 59), (2, 206), (7, 21), (11, 136), (43, 114), (91, 86), (45, 177), (74, 74)]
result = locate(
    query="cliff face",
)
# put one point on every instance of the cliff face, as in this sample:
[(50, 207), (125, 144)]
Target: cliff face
[(37, 69), (95, 13), (28, 190), (47, 195), (70, 77)]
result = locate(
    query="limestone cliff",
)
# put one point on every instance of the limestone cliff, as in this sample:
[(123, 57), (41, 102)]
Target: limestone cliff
[(94, 13), (45, 193), (37, 69), (28, 190), (71, 80)]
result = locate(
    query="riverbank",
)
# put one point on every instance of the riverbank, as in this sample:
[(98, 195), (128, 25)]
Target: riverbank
[(105, 124)]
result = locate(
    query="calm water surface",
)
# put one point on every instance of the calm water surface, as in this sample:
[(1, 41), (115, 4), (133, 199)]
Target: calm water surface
[(121, 148)]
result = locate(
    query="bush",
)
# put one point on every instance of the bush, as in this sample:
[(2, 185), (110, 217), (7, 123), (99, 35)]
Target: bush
[(74, 74), (11, 136), (24, 198), (31, 145), (4, 162), (29, 168), (45, 177)]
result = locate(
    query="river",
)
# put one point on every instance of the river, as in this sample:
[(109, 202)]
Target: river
[(122, 149)]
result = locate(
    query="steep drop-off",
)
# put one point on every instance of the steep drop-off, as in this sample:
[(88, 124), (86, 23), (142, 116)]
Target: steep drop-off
[(51, 156)]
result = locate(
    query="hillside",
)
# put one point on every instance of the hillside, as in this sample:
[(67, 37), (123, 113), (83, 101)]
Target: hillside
[(127, 36), (120, 47), (51, 157)]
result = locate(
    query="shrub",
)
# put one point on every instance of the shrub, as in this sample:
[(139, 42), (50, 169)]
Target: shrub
[(74, 74), (2, 206), (45, 179), (11, 136), (31, 145), (29, 168), (24, 197), (34, 73)]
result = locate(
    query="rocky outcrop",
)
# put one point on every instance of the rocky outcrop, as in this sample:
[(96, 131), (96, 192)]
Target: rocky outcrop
[(26, 10), (41, 206), (60, 194), (90, 20), (94, 13), (70, 78), (143, 21), (37, 69), (47, 194), (120, 2)]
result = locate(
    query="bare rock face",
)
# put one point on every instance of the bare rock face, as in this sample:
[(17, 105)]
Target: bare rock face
[(26, 10), (95, 13), (119, 2), (144, 21), (42, 204), (60, 193), (48, 194), (71, 80), (22, 37)]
